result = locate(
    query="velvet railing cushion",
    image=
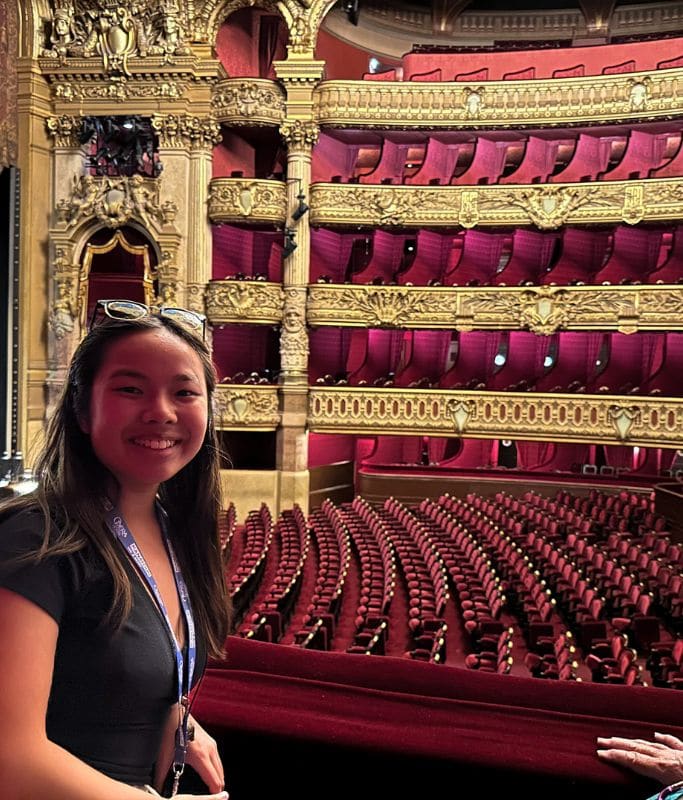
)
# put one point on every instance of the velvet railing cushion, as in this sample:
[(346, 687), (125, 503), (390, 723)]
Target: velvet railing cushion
[(507, 728)]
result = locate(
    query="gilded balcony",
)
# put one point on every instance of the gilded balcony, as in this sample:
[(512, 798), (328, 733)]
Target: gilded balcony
[(248, 101), (545, 206), (631, 97), (253, 302), (624, 420), (247, 200), (239, 407), (541, 309)]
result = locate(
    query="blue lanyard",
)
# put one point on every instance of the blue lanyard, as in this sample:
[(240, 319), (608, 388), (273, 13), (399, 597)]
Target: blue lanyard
[(117, 525)]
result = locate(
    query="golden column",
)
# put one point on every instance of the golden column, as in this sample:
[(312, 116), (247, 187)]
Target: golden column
[(34, 154), (185, 149), (300, 132)]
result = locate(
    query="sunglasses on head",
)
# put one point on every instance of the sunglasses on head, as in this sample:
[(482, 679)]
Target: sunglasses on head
[(130, 309)]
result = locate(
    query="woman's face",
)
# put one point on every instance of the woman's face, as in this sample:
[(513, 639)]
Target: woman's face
[(148, 409)]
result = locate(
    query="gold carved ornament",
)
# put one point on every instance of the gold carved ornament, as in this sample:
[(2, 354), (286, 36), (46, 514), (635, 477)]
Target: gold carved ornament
[(249, 102), (299, 133), (242, 301), (114, 201), (65, 129), (485, 414), (521, 103), (187, 131), (239, 198), (244, 406), (65, 307), (382, 307), (115, 32), (293, 334)]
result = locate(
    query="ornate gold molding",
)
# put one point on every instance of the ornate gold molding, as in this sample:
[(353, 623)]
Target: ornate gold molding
[(560, 101), (115, 33), (65, 129), (244, 301), (299, 132), (249, 101), (548, 207), (541, 309), (254, 407), (93, 89), (184, 131), (9, 51), (64, 308), (247, 200), (640, 421), (113, 201), (293, 336)]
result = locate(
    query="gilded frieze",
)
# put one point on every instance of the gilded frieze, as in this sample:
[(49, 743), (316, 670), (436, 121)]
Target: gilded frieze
[(640, 421), (560, 101), (113, 201), (186, 131), (548, 207), (541, 309), (237, 406), (247, 200), (248, 101), (114, 33), (244, 301)]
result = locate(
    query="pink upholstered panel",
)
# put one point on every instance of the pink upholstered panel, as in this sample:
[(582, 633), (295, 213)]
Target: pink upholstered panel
[(330, 253), (634, 256), (426, 356), (487, 164), (396, 450), (474, 361), (583, 253), (591, 157), (666, 379), (239, 348), (643, 153), (575, 361), (438, 166), (382, 356), (633, 359), (430, 259), (472, 454), (329, 352), (531, 253), (537, 164), (521, 363), (671, 270), (391, 165), (479, 260), (387, 255), (673, 168)]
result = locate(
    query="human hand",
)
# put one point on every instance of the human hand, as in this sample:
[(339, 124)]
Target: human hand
[(661, 760), (202, 756)]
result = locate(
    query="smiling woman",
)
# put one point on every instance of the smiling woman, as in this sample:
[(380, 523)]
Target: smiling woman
[(111, 587)]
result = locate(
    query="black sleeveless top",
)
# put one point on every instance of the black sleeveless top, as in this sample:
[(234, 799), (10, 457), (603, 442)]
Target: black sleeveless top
[(111, 693)]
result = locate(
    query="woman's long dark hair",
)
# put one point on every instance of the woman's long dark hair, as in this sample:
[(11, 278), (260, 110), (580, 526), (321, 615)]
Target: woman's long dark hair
[(73, 484)]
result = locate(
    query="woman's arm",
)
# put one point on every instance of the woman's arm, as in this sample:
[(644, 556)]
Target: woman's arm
[(31, 766), (202, 754)]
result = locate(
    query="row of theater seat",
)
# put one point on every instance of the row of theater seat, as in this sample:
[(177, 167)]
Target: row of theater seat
[(522, 575)]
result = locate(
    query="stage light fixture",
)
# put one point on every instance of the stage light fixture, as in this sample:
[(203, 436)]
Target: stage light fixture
[(290, 243), (301, 209)]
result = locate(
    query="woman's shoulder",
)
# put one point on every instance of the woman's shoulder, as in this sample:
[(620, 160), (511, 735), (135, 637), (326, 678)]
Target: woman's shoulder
[(22, 528)]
